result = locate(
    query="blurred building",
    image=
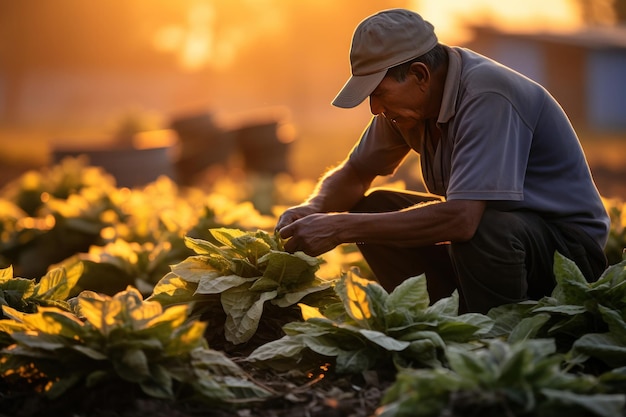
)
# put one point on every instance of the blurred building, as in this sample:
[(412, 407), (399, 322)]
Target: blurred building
[(584, 70)]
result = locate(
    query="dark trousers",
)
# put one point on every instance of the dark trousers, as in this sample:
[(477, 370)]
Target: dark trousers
[(509, 259)]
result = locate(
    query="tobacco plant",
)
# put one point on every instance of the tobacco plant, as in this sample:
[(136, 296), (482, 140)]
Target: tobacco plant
[(122, 340), (245, 275), (371, 328), (521, 379), (52, 289), (585, 319)]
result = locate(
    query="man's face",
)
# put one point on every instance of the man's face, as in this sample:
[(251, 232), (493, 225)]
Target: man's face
[(403, 102)]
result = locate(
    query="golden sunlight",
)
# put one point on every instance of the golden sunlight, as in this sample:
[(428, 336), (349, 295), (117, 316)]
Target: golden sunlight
[(213, 32), (450, 16), (358, 302)]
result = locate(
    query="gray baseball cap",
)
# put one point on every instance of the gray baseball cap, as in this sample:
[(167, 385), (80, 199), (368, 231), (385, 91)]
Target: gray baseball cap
[(382, 41)]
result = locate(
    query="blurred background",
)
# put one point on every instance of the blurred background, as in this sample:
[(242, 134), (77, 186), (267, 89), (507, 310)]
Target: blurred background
[(180, 87)]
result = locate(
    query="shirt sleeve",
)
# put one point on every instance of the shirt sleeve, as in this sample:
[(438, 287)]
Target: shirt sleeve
[(491, 147), (380, 150)]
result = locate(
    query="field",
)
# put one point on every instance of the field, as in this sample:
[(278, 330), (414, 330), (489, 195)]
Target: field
[(164, 300), (315, 150)]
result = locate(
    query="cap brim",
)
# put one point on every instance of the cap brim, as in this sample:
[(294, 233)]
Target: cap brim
[(357, 89)]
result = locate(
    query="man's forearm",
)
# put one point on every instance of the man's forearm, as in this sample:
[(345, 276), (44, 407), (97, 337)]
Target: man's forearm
[(339, 190), (416, 226)]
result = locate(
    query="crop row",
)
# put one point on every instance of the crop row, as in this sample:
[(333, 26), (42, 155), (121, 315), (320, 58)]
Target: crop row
[(170, 294)]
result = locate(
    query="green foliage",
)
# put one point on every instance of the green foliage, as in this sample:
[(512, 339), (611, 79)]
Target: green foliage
[(26, 295), (185, 252), (520, 379), (61, 214), (121, 338), (587, 319), (244, 271), (370, 328)]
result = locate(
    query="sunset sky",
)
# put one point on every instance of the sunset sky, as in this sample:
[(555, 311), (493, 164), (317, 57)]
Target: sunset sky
[(71, 64), (196, 43)]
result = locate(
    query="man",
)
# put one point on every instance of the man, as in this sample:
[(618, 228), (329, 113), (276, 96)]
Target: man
[(507, 178)]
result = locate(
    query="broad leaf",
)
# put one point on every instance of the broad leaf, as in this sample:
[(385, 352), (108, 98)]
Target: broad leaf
[(601, 405), (410, 295), (572, 287), (58, 282), (244, 309), (221, 284), (385, 341), (351, 290)]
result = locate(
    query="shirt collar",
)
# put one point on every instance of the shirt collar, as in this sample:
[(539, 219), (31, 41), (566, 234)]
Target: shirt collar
[(451, 87)]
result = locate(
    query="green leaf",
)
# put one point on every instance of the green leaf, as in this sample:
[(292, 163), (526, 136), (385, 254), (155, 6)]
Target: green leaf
[(196, 268), (264, 284), (39, 341), (222, 284), (294, 297), (285, 347), (90, 352), (605, 347), (160, 384), (467, 364), (288, 269), (384, 341), (247, 244), (171, 289), (6, 274), (411, 295), (571, 285), (355, 361), (465, 327), (447, 306), (185, 338), (107, 313), (133, 365), (602, 405), (16, 291), (507, 316), (351, 291), (528, 328), (54, 321), (567, 310), (243, 312), (615, 321), (321, 345), (203, 247), (58, 282), (433, 337), (613, 276)]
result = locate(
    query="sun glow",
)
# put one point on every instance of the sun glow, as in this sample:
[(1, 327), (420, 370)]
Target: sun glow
[(214, 32), (450, 16)]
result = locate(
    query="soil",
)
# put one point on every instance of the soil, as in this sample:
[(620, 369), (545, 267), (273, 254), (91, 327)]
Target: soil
[(296, 395)]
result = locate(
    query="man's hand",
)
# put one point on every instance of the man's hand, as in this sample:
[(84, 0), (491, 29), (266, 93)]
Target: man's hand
[(314, 234), (294, 213)]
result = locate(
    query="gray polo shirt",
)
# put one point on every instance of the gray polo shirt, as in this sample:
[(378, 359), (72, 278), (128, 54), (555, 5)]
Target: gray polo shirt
[(501, 138)]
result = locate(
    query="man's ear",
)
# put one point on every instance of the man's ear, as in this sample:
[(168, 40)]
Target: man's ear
[(420, 71)]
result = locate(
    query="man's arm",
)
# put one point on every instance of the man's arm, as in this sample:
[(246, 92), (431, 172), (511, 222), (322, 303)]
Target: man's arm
[(424, 224), (420, 225), (338, 191)]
